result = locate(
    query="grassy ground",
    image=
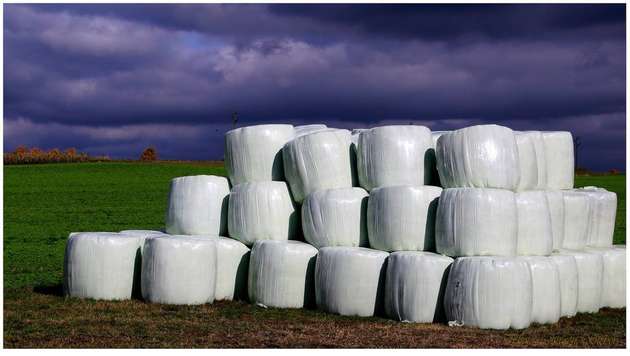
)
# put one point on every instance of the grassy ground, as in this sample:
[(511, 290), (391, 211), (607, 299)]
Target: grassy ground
[(43, 203)]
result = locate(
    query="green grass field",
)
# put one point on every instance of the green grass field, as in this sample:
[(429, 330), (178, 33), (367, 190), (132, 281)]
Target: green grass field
[(44, 203)]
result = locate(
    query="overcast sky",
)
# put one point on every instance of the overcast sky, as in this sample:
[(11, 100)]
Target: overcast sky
[(113, 79)]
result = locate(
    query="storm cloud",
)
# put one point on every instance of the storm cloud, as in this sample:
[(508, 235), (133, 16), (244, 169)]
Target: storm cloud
[(113, 79)]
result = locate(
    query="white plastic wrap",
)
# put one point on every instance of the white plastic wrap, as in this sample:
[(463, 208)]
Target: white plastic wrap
[(403, 218), (197, 205), (532, 162), (431, 159), (559, 157), (102, 265), (394, 155), (307, 129), (489, 293), (483, 156), (535, 235), (528, 167), (415, 285), (577, 212), (232, 267), (614, 276), (336, 217), (281, 274), (590, 267), (142, 233), (601, 227), (253, 153), (179, 269), (350, 280), (476, 222), (567, 270), (546, 294), (355, 136), (319, 160), (262, 211), (555, 201)]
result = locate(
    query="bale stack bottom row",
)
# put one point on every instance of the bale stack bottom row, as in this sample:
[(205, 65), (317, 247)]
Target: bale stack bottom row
[(479, 227)]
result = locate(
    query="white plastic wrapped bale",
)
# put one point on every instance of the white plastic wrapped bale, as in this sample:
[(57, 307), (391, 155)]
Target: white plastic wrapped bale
[(403, 218), (476, 222), (393, 155), (102, 265), (546, 294), (568, 273), (528, 169), (601, 227), (281, 274), (489, 293), (302, 130), (590, 267), (555, 201), (415, 285), (336, 217), (483, 156), (197, 205), (319, 160), (559, 157), (532, 163), (620, 246), (232, 268), (350, 280), (534, 236), (253, 153), (179, 270), (262, 211), (432, 160), (614, 276), (577, 213)]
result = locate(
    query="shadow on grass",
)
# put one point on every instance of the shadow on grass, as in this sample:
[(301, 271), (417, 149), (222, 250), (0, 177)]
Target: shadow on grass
[(54, 289)]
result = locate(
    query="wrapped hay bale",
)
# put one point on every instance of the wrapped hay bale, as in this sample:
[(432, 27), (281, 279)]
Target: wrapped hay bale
[(546, 293), (414, 286), (601, 227), (197, 205), (577, 213), (402, 218), (102, 265), (302, 130), (476, 222), (483, 156), (319, 160), (590, 268), (567, 271), (555, 200), (350, 280), (528, 168), (336, 217), (281, 274), (489, 293), (532, 162), (534, 236), (559, 157), (232, 267), (262, 211), (614, 276), (431, 159), (393, 155), (142, 233), (253, 153), (179, 270)]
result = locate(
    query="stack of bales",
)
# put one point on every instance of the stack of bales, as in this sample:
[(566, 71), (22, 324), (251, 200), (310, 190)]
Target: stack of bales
[(359, 224), (519, 231)]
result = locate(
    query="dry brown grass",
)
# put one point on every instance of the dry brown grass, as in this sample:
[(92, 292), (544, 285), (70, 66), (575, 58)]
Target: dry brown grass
[(44, 319)]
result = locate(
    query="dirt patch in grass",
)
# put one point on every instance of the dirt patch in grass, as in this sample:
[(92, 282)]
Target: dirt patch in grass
[(45, 320)]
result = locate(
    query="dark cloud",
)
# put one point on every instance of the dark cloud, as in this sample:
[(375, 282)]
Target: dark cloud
[(171, 75)]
